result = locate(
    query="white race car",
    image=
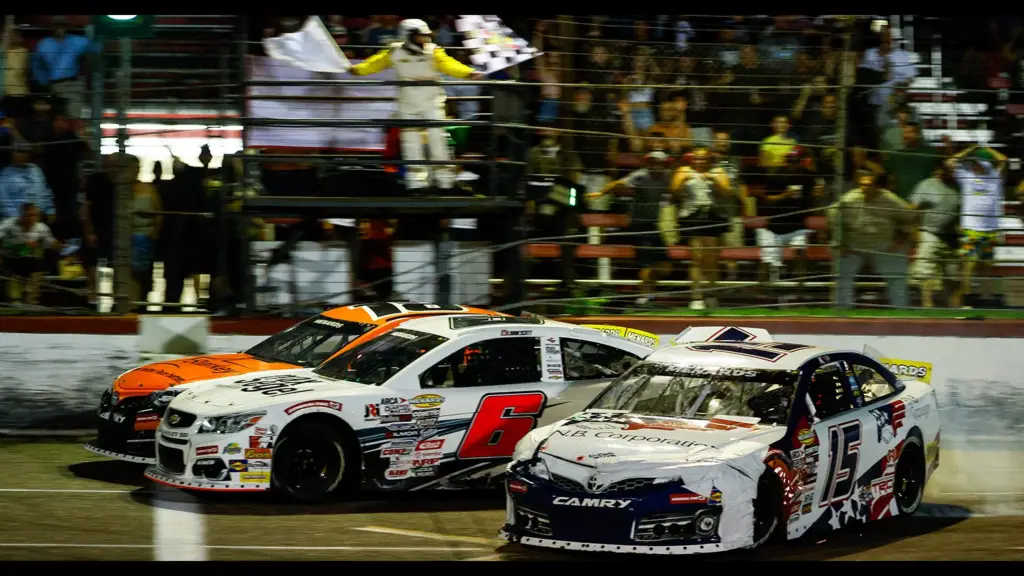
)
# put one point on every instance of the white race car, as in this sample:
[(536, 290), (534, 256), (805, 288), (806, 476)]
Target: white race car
[(437, 402), (713, 443)]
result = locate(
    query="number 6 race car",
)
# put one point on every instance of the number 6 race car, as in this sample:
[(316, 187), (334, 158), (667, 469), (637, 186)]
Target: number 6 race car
[(130, 411), (724, 443), (438, 402)]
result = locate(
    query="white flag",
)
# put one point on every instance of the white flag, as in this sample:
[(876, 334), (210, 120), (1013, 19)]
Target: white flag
[(312, 48), (494, 46)]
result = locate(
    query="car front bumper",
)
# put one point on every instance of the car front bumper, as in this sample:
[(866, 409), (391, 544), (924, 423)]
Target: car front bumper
[(188, 459), (126, 431)]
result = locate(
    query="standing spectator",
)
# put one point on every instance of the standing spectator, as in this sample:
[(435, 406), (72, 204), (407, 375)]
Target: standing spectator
[(821, 133), (600, 68), (594, 150), (980, 174), (14, 67), (875, 225), (892, 137), (24, 239), (549, 74), (937, 201), (37, 128), (897, 73), (190, 239), (145, 231), (383, 31), (650, 186), (22, 182), (557, 212), (775, 149), (747, 108), (444, 30), (97, 217), (375, 265), (735, 206), (61, 162), (639, 101), (908, 167), (703, 191), (789, 194), (56, 66), (671, 126)]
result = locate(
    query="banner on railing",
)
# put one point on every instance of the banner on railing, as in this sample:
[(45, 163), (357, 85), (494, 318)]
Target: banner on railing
[(315, 103)]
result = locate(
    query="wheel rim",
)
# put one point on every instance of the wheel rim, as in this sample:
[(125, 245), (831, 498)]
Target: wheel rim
[(908, 484), (311, 467)]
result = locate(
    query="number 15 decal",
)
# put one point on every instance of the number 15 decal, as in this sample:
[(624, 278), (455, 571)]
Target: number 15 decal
[(843, 458), (501, 421)]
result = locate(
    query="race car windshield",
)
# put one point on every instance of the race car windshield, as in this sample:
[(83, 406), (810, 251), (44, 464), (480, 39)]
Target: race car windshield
[(309, 343), (379, 359), (701, 393)]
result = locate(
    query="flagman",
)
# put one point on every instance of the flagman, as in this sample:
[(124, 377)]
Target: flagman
[(416, 58)]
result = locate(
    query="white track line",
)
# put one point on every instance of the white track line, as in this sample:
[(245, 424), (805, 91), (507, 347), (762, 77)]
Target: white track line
[(327, 548), (58, 491), (980, 493), (179, 529), (429, 535), (489, 558)]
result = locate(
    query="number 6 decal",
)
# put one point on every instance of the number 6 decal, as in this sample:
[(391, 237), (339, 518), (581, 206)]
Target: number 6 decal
[(501, 421), (843, 458)]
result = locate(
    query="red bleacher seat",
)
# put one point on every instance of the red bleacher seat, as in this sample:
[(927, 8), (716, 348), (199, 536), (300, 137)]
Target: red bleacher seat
[(604, 220)]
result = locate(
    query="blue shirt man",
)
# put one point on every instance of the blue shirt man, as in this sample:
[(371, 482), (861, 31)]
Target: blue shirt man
[(23, 183), (56, 57)]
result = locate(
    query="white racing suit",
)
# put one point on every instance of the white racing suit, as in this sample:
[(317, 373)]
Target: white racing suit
[(420, 103)]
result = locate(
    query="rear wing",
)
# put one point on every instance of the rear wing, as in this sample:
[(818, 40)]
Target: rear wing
[(723, 334), (638, 336)]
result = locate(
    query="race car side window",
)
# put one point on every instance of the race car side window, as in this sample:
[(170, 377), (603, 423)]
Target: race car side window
[(827, 390), (495, 362), (872, 385), (584, 360)]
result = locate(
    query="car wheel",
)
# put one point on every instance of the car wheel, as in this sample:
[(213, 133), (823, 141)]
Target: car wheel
[(908, 488), (309, 461), (767, 509)]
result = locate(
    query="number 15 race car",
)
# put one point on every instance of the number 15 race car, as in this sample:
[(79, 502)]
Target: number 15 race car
[(437, 402), (722, 441), (131, 410)]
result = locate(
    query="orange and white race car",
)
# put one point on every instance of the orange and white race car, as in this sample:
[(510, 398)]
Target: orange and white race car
[(131, 410)]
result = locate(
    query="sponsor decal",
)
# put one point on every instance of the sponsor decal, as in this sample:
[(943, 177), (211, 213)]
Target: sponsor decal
[(393, 452), (206, 461), (716, 495), (687, 499), (401, 426), (401, 433), (238, 465), (397, 409), (405, 335), (702, 370), (427, 401), (431, 454), (147, 418), (419, 463), (173, 434), (402, 444), (387, 401), (331, 323), (261, 442), (260, 431), (517, 487), (909, 369), (425, 445), (212, 365), (598, 426), (551, 350), (591, 502), (796, 453), (601, 455), (372, 411), (809, 498), (424, 471), (232, 449), (259, 464), (795, 517), (806, 509), (923, 408), (516, 332), (396, 473), (426, 422), (277, 385), (632, 438), (326, 404), (427, 413), (889, 419), (172, 377), (396, 418), (807, 436), (257, 453), (207, 450), (640, 337), (865, 495), (254, 477)]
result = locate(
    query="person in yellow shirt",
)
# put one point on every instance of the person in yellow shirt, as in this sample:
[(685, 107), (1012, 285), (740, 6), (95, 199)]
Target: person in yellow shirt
[(776, 147), (416, 58)]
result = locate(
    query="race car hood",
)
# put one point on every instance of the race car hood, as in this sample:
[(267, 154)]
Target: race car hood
[(262, 390), (166, 374), (616, 441)]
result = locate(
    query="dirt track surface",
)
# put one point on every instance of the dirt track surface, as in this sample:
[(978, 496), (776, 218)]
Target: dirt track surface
[(59, 502)]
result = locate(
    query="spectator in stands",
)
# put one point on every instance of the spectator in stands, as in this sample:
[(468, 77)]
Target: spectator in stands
[(781, 42), (335, 24), (937, 200), (861, 158), (56, 66), (589, 119), (464, 109), (145, 230), (897, 72), (37, 128), (638, 102), (383, 30), (908, 167), (22, 182), (189, 238), (877, 226), (776, 148), (737, 205), (600, 68), (375, 265), (748, 108), (62, 157), (703, 193), (557, 212), (444, 30), (892, 137), (650, 187), (97, 218), (14, 66), (671, 125), (727, 53), (24, 239), (979, 171), (820, 131), (789, 196), (549, 74)]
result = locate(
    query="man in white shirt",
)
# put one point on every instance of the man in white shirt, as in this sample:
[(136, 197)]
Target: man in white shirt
[(898, 71), (979, 171), (23, 239)]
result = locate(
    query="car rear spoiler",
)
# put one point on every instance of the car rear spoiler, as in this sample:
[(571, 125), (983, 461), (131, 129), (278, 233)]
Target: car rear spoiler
[(631, 334), (723, 334)]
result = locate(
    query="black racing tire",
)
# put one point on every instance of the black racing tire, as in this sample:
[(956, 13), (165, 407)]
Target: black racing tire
[(310, 461), (908, 485), (768, 524)]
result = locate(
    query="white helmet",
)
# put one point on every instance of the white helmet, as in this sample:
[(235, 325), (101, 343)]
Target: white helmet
[(412, 27)]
